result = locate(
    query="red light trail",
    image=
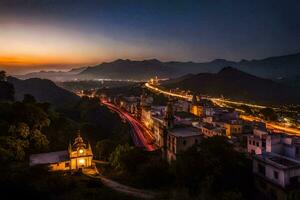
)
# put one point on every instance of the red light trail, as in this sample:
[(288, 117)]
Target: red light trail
[(140, 135)]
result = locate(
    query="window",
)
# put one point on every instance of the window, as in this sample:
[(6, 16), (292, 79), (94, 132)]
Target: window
[(67, 164), (196, 141), (275, 174), (80, 151), (249, 141), (184, 142), (257, 144)]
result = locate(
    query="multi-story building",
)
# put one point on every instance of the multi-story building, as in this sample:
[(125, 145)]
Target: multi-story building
[(210, 130), (277, 176), (262, 141), (196, 108), (256, 142), (180, 139), (233, 127), (276, 163)]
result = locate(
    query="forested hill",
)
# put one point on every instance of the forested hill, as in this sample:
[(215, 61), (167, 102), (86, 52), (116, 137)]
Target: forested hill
[(43, 90), (6, 91), (235, 84)]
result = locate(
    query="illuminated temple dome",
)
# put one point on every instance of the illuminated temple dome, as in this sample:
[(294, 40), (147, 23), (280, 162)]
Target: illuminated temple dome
[(78, 143), (78, 156)]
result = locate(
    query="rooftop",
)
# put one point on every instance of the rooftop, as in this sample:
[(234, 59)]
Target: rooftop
[(48, 158), (277, 160)]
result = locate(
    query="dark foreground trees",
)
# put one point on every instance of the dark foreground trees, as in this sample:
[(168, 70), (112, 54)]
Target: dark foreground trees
[(214, 170)]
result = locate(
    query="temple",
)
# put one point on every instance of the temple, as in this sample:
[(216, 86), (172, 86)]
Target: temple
[(79, 155)]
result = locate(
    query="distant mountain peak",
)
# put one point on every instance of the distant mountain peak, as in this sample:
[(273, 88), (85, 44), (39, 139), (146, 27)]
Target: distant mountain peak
[(229, 69)]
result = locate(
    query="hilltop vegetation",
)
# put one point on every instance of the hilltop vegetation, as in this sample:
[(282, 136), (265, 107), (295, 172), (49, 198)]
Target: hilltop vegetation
[(30, 126)]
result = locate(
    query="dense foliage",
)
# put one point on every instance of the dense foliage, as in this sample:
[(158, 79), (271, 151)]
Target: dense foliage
[(214, 170), (29, 127)]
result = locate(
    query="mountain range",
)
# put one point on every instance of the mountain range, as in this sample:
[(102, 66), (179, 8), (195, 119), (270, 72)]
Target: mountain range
[(281, 68), (237, 85)]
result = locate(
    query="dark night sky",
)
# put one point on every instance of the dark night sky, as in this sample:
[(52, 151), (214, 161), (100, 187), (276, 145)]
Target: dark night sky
[(84, 32)]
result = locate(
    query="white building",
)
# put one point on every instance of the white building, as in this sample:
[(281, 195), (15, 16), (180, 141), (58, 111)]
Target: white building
[(262, 141), (276, 162), (280, 170)]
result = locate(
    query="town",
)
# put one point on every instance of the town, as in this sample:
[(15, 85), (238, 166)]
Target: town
[(185, 120), (139, 99)]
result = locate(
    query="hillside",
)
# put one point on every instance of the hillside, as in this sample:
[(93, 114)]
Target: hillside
[(238, 85), (6, 91), (127, 69), (43, 90)]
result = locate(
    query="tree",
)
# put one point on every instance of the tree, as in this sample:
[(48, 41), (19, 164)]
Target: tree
[(2, 76), (154, 173), (21, 130), (7, 91), (104, 148), (28, 98), (126, 158), (18, 148), (115, 157), (38, 141), (214, 168)]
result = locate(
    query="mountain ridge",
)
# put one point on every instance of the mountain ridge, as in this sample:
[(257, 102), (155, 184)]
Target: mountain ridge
[(275, 67), (238, 85)]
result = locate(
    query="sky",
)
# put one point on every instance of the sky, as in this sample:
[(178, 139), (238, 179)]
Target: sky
[(61, 34)]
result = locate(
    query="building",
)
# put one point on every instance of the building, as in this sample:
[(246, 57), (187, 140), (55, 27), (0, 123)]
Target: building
[(182, 106), (173, 135), (276, 176), (233, 127), (180, 139), (209, 130), (276, 164), (196, 108), (280, 170), (256, 142), (78, 156), (130, 104), (176, 137), (263, 141)]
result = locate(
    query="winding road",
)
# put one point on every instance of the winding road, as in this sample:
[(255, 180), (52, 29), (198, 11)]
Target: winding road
[(137, 193), (140, 135)]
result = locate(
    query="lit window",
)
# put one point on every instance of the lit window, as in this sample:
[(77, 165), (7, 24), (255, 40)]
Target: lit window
[(81, 161), (80, 151)]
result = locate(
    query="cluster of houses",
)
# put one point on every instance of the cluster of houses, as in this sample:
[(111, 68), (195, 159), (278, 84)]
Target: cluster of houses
[(181, 124)]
